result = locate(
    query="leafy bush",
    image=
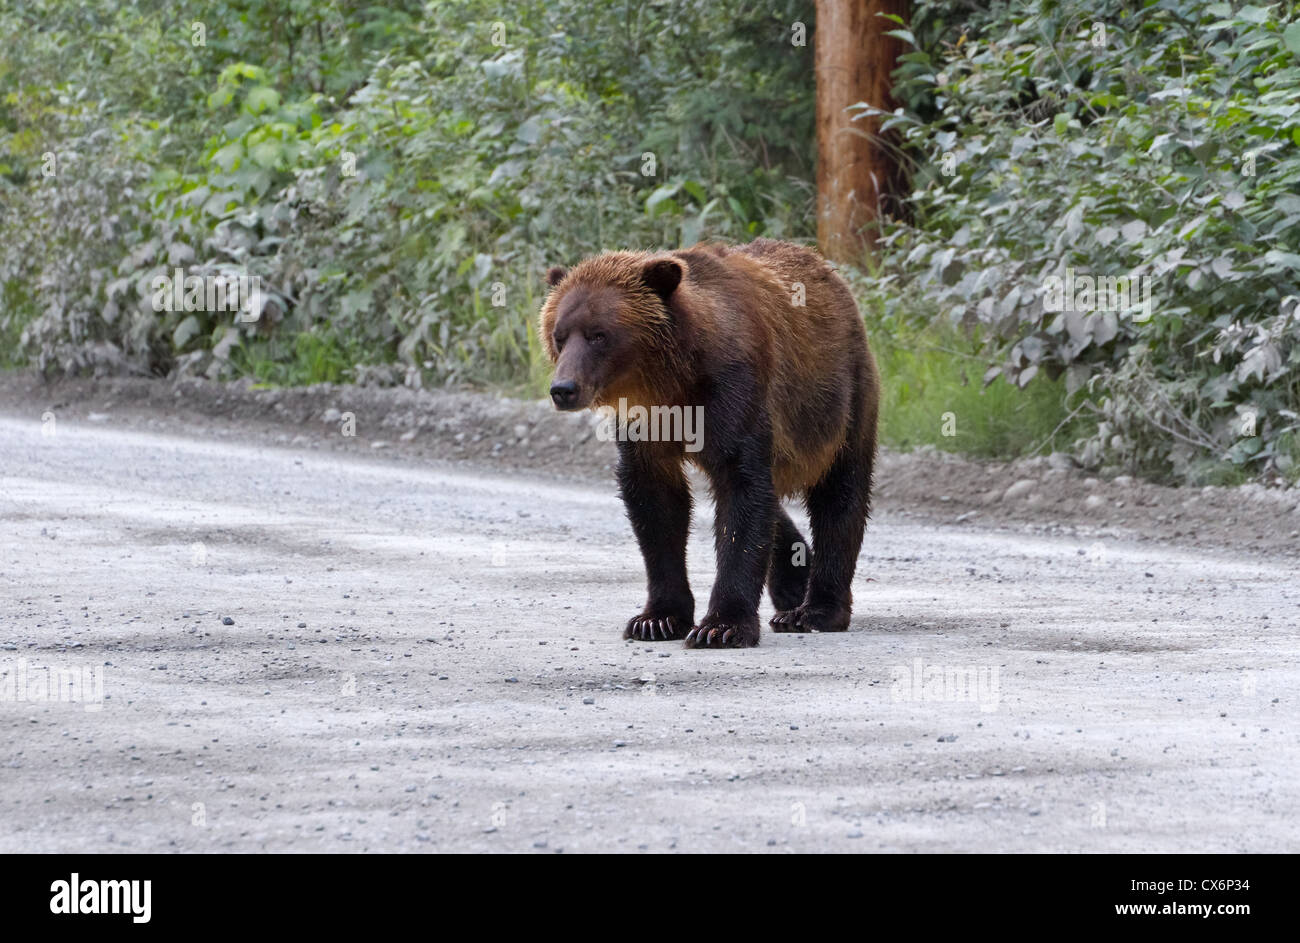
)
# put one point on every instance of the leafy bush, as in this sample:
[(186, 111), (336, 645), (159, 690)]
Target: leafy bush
[(398, 179), (1165, 146)]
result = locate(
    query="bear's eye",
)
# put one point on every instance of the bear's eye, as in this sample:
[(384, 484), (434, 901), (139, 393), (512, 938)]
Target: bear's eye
[(596, 339), (559, 341)]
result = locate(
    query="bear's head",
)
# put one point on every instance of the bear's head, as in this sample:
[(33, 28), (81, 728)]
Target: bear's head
[(608, 326)]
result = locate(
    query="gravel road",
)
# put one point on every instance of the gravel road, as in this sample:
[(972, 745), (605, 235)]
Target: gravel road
[(280, 648)]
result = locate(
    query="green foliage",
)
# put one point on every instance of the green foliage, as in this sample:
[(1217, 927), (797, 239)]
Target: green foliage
[(398, 178), (1131, 155)]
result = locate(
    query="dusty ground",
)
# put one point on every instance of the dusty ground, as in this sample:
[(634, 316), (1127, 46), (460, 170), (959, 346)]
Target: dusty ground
[(423, 648)]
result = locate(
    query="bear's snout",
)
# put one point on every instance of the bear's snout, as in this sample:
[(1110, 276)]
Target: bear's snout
[(564, 393)]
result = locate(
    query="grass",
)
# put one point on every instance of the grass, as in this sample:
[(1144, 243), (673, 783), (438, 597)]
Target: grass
[(312, 358), (933, 394), (16, 311), (10, 331)]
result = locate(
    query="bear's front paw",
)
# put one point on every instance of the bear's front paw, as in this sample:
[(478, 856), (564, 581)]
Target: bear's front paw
[(651, 627), (809, 618), (723, 632)]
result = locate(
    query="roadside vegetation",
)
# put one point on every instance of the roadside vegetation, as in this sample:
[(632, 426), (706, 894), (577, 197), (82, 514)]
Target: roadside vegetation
[(400, 176)]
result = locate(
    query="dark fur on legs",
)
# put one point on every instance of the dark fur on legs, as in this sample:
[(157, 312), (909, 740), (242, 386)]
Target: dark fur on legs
[(658, 502), (739, 466), (787, 575), (838, 507)]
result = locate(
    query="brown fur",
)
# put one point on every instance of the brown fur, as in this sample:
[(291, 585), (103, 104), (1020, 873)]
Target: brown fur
[(735, 303)]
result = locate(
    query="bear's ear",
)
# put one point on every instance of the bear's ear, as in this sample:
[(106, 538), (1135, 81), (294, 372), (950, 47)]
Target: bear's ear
[(663, 276), (556, 275)]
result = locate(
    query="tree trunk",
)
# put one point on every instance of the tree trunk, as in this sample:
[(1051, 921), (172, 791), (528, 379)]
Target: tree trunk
[(854, 170)]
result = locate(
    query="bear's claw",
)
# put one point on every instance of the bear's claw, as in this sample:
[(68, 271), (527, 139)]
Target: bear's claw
[(787, 621), (716, 634), (812, 619), (645, 628)]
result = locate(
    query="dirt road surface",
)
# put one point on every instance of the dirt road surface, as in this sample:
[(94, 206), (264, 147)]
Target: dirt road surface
[(307, 650)]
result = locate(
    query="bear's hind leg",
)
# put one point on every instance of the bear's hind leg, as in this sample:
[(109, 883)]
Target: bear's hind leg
[(787, 574), (837, 509)]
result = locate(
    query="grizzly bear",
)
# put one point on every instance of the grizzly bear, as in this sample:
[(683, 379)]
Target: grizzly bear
[(765, 341)]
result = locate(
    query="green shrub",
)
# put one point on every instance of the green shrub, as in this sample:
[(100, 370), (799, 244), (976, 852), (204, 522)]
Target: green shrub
[(1167, 150), (400, 194)]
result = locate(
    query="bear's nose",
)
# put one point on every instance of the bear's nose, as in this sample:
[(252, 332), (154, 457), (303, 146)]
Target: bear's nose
[(564, 393)]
